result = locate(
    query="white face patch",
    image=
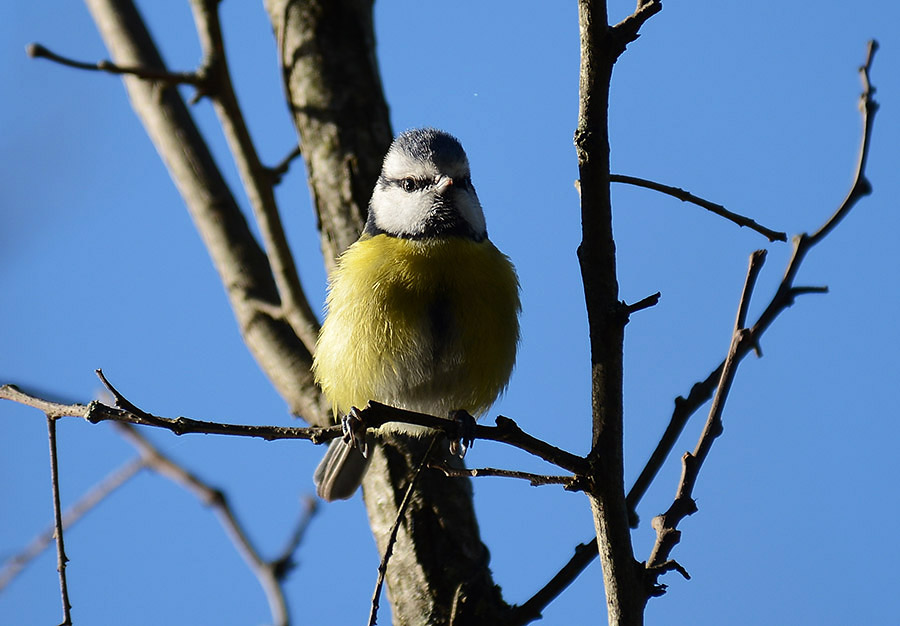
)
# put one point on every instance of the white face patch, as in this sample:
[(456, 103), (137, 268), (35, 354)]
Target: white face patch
[(436, 181)]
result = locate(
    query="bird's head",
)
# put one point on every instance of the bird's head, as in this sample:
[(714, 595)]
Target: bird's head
[(425, 190)]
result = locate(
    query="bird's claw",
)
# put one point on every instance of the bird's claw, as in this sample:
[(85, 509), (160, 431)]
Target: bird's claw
[(465, 425), (353, 428)]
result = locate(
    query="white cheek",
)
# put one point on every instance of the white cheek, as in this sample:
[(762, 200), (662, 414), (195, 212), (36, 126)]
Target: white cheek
[(470, 209), (399, 212)]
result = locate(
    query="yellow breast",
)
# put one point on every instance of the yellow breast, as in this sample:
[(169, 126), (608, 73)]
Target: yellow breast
[(429, 325)]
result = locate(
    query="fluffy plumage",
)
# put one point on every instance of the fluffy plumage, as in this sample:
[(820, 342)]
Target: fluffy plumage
[(422, 311)]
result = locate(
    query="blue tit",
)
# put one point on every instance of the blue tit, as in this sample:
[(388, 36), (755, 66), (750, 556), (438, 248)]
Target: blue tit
[(422, 311)]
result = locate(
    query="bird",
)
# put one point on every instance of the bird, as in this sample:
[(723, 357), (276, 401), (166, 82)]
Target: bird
[(422, 311)]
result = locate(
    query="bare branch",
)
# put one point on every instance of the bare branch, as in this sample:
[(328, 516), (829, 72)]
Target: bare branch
[(61, 558), (666, 525), (92, 498), (685, 196), (600, 47), (285, 562), (783, 298), (861, 186), (37, 51), (530, 611), (257, 179), (571, 483), (96, 412), (702, 391), (241, 264), (266, 573), (644, 303), (626, 31), (506, 431), (278, 171)]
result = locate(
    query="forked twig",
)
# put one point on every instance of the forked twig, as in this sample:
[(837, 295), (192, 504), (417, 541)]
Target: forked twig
[(666, 525), (702, 391), (266, 573)]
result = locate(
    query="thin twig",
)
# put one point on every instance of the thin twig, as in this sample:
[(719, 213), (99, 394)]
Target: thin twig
[(666, 525), (37, 51), (685, 196), (531, 610), (278, 171), (643, 303), (61, 558), (783, 298), (392, 537), (92, 498), (571, 483), (285, 562), (215, 498)]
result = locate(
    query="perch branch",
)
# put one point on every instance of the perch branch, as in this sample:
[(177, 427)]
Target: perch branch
[(686, 196), (96, 412), (506, 431)]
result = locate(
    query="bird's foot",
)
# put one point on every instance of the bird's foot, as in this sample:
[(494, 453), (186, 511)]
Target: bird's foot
[(465, 439), (353, 428)]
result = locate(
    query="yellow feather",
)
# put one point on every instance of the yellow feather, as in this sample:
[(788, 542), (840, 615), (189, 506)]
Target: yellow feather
[(429, 325)]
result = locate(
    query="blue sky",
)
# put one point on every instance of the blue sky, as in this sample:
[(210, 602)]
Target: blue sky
[(100, 267)]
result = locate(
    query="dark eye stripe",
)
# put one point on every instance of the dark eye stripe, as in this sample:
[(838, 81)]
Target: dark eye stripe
[(410, 184)]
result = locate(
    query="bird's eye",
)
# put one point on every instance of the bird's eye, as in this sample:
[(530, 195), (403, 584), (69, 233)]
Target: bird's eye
[(409, 184)]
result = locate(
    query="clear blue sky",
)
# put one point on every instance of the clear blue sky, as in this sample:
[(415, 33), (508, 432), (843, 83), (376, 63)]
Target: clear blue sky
[(752, 107)]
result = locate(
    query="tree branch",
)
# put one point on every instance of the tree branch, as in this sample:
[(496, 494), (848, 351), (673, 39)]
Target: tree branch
[(257, 179), (96, 412), (61, 558), (267, 573), (37, 51), (702, 391), (600, 47), (241, 264), (571, 483), (782, 299), (666, 525), (685, 196), (334, 90)]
